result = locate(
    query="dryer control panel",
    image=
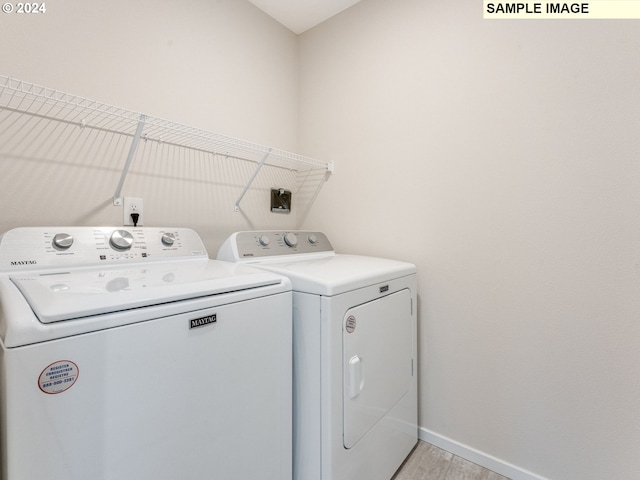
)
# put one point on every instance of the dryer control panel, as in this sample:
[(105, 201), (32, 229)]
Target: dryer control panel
[(273, 243), (44, 247)]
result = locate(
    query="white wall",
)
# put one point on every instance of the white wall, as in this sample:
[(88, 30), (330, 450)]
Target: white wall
[(502, 157), (217, 65)]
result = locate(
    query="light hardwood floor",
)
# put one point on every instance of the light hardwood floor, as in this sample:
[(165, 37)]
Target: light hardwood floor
[(428, 462)]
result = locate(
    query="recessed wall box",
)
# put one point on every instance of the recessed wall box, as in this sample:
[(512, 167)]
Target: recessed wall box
[(280, 200)]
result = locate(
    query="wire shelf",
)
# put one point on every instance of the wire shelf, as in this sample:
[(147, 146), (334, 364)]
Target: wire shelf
[(50, 105)]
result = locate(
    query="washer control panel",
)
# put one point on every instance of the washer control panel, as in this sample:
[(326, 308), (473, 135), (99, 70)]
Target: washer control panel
[(43, 247), (272, 243)]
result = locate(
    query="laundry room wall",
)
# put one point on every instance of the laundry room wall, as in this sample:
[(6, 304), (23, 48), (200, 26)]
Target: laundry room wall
[(502, 157), (221, 65)]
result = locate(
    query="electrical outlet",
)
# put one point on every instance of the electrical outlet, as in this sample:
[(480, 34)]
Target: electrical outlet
[(132, 205)]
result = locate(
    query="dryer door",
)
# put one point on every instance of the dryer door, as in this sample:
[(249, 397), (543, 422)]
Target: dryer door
[(377, 361)]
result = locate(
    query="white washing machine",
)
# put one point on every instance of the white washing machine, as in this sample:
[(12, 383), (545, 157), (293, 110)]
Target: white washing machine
[(130, 355), (354, 329)]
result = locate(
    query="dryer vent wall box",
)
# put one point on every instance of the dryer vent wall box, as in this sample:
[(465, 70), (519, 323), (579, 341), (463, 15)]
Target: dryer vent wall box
[(280, 200), (97, 356), (354, 335)]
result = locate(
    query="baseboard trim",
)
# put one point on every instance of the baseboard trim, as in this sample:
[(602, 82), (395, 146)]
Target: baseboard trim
[(480, 458)]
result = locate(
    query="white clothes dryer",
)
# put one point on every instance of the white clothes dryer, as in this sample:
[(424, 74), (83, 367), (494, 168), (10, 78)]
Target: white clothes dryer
[(354, 329), (130, 355)]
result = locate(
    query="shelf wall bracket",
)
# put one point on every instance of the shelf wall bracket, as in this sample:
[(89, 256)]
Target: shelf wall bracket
[(117, 197), (253, 177)]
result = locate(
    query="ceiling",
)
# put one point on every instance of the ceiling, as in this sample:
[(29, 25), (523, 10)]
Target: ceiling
[(301, 15)]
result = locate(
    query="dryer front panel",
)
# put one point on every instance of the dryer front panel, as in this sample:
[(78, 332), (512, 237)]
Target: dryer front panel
[(377, 361)]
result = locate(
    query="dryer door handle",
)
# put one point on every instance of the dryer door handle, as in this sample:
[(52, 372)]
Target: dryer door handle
[(356, 376)]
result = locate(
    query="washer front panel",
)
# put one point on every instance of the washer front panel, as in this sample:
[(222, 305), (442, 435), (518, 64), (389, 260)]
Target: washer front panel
[(155, 400)]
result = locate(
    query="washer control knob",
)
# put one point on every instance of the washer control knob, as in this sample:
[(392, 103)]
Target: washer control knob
[(62, 241), (264, 240), (290, 239), (312, 239), (168, 239), (121, 240)]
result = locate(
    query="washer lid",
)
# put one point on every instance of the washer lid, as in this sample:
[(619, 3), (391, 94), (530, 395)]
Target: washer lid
[(335, 274), (77, 293)]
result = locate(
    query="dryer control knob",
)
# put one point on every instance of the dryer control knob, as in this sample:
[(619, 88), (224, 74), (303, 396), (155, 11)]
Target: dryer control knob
[(121, 240), (290, 239), (312, 239), (264, 240), (168, 239), (62, 241)]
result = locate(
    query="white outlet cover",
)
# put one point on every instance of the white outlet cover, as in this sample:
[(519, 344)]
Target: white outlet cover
[(129, 206)]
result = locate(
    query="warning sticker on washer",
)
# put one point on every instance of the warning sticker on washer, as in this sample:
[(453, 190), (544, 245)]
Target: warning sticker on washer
[(58, 377)]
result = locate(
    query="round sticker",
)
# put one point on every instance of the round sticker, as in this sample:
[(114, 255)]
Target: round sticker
[(350, 325), (58, 377)]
